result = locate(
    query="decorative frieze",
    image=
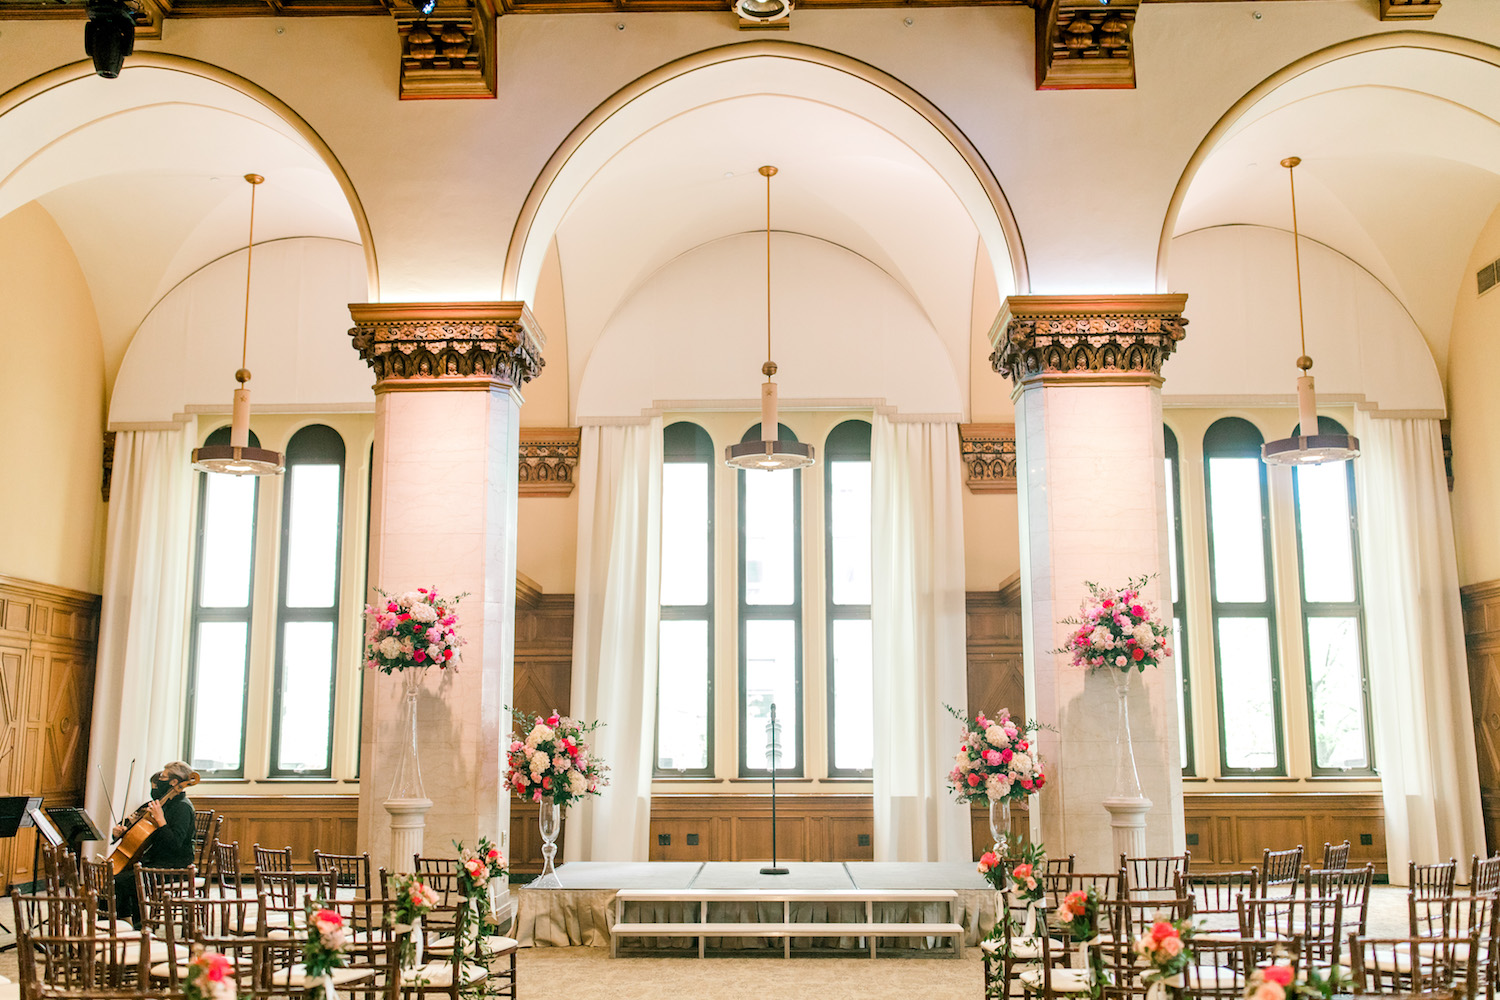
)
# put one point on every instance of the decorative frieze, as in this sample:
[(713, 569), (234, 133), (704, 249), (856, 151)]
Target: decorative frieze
[(450, 53), (1085, 335), (989, 454), (1409, 10), (549, 460), (420, 341), (1085, 45)]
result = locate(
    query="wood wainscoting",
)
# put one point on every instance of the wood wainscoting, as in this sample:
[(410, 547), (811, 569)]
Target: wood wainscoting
[(1481, 604), (48, 642), (1228, 831), (302, 822)]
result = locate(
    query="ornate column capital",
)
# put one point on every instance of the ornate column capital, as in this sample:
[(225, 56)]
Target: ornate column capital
[(1086, 338), (989, 454), (549, 460), (447, 345)]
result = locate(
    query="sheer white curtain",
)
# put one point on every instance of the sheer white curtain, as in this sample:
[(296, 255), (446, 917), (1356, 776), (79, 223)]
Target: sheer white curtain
[(615, 612), (1414, 630), (917, 611), (143, 622)]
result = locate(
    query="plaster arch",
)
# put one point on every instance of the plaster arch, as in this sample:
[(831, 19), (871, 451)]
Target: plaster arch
[(35, 90), (762, 67)]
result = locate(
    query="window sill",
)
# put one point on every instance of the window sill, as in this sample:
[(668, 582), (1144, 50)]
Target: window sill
[(661, 779), (766, 781)]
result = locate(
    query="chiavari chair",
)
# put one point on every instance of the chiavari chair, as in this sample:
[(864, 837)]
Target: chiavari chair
[(1352, 885), (227, 867), (205, 828), (1155, 878), (61, 953), (1316, 920), (273, 859), (98, 881), (1432, 881), (1053, 977), (1411, 965), (352, 871), (1111, 885), (438, 977), (187, 919), (1222, 966), (1216, 897), (1484, 873), (1279, 871), (153, 887), (1335, 857), (1121, 921), (283, 894)]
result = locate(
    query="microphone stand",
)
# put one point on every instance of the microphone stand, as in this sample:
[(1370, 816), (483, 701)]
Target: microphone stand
[(773, 731)]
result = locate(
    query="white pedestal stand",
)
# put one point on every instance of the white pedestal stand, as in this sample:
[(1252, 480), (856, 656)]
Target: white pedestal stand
[(1127, 822), (408, 825)]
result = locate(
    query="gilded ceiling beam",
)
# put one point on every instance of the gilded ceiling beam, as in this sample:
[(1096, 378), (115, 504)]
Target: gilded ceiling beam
[(1085, 44)]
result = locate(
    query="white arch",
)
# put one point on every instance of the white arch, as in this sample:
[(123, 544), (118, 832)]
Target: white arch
[(762, 67)]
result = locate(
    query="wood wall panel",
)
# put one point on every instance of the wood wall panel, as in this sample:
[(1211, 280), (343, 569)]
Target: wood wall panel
[(301, 822), (1481, 610), (1232, 829), (544, 654), (48, 638), (996, 673)]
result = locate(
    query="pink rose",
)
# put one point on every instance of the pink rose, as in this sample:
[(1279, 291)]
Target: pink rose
[(1172, 946), (1279, 974), (973, 779)]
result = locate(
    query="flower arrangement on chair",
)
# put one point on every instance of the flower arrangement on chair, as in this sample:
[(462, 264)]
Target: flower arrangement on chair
[(412, 899), (1017, 880), (411, 631), (210, 976), (323, 949), (1281, 980), (475, 870), (1165, 949), (1077, 916)]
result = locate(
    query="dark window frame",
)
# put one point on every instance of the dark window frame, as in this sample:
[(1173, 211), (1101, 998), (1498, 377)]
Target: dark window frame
[(771, 612), (836, 448), (700, 449), (1179, 606), (311, 445), (200, 615), (1243, 440)]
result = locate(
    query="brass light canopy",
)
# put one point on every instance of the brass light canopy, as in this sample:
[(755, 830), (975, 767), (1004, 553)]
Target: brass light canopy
[(770, 453), (1314, 448), (238, 457)]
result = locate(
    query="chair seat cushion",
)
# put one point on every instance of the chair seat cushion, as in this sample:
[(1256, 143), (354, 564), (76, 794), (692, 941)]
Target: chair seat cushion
[(163, 970), (1063, 980), (1024, 948), (121, 929), (493, 943), (1397, 959), (1211, 977), (130, 952), (296, 976), (440, 974)]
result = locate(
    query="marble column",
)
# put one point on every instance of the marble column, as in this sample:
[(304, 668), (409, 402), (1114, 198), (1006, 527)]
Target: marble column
[(443, 514), (1086, 372)]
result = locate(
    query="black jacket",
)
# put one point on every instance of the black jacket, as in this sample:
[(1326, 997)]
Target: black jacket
[(172, 845)]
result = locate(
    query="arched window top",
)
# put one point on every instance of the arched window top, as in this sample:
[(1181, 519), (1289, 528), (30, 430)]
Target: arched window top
[(1326, 425), (1233, 437), (315, 444), (784, 433), (685, 441), (1170, 440), (848, 442), (221, 437)]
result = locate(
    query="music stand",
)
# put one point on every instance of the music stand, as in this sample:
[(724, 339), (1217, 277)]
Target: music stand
[(17, 812), (75, 826)]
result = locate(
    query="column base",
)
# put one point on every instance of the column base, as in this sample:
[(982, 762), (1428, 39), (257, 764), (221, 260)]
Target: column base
[(1127, 821), (408, 824)]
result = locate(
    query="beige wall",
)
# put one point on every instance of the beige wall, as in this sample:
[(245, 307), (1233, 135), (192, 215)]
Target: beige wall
[(51, 406), (1474, 408)]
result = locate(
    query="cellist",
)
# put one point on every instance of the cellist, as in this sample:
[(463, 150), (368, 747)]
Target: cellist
[(170, 846)]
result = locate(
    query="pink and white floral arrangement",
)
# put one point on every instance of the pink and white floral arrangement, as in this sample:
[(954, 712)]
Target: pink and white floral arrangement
[(1118, 630), (210, 976), (553, 761), (411, 631), (996, 759), (323, 949)]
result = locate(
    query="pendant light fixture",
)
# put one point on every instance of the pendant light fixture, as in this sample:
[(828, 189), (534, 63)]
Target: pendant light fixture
[(238, 458), (770, 452), (1310, 447)]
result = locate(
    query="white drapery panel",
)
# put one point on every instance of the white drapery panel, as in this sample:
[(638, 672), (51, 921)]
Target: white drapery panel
[(920, 662), (616, 608), (1424, 746), (143, 621)]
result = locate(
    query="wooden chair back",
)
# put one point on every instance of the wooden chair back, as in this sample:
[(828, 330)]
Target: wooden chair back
[(1219, 892), (1316, 920), (1060, 866), (352, 871), (64, 954), (1158, 875), (273, 859), (227, 867), (205, 828), (1111, 885), (1223, 965), (1279, 870), (1352, 885), (154, 885), (285, 893), (1428, 966), (1432, 881), (1335, 857), (1484, 874)]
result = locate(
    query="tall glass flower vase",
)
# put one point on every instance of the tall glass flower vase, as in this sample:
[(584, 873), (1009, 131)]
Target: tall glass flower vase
[(549, 817), (408, 802), (1000, 826), (1127, 780)]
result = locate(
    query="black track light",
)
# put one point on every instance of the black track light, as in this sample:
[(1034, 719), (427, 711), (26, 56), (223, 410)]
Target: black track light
[(109, 36)]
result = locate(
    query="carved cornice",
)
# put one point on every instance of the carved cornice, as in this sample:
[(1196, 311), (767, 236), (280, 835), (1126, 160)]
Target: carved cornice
[(1085, 337), (448, 54), (1409, 10), (1085, 45), (429, 343), (989, 454), (549, 460)]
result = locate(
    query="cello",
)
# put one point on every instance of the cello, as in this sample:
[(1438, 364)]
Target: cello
[(139, 825)]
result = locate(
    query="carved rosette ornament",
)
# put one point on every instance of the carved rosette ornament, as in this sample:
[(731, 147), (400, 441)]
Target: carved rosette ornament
[(989, 454), (549, 460), (423, 342), (1087, 337)]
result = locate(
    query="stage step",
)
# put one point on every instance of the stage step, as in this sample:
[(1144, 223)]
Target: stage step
[(796, 930)]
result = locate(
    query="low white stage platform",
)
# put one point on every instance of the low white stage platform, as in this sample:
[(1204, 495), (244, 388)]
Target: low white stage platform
[(733, 895)]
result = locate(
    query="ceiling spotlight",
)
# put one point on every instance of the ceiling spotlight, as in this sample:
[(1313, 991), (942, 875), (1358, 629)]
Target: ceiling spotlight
[(763, 10), (109, 36), (424, 7)]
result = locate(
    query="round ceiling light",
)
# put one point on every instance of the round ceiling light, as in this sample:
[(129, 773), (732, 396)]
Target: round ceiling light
[(763, 10)]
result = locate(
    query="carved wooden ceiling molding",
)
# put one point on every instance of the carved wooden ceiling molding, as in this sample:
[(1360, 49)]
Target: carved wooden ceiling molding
[(989, 454), (1409, 10), (449, 54), (1084, 45), (549, 460)]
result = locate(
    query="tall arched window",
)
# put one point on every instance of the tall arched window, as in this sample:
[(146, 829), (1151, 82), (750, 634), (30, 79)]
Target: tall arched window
[(684, 675), (846, 512), (308, 607), (219, 649), (770, 614), (1242, 600), (1332, 614), (1179, 602)]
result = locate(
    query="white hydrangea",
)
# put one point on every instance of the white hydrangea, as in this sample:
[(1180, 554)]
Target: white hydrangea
[(541, 734), (1144, 637), (434, 652), (995, 736), (997, 786), (424, 612), (1101, 637), (390, 647), (1020, 763), (577, 783)]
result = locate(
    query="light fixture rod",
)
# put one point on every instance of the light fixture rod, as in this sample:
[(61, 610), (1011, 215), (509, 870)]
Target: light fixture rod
[(768, 172), (255, 181), (1291, 163)]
